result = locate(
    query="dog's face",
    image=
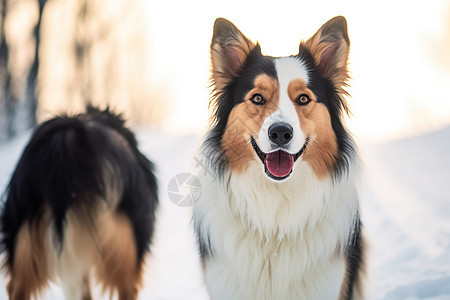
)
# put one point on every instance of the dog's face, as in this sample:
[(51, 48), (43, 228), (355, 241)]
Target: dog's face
[(278, 111)]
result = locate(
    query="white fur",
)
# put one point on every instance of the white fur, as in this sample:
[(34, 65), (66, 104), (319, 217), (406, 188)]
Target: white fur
[(275, 240), (72, 265), (288, 69)]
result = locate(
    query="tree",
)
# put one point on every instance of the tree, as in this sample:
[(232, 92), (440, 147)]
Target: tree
[(7, 128), (31, 97)]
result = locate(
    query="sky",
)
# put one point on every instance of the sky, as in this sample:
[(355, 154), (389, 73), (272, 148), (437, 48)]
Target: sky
[(399, 85)]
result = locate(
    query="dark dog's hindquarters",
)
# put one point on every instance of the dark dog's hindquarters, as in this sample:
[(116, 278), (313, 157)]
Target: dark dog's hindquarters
[(82, 198)]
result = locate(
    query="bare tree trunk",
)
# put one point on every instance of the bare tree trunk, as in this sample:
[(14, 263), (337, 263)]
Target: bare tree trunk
[(82, 48), (31, 97), (7, 102)]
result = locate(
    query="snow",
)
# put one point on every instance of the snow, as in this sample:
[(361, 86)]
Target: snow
[(406, 209), (405, 200)]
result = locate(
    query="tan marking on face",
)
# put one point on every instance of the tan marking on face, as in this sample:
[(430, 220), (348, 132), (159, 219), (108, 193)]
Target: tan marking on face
[(29, 274), (118, 266), (315, 122), (246, 119), (297, 87)]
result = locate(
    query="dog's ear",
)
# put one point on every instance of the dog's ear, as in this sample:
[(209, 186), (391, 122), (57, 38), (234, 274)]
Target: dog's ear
[(330, 46), (229, 49)]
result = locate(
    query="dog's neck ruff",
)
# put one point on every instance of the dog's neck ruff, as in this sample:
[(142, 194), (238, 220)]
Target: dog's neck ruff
[(246, 221), (290, 209)]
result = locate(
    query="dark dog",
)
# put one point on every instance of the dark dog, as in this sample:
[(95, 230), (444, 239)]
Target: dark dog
[(82, 197)]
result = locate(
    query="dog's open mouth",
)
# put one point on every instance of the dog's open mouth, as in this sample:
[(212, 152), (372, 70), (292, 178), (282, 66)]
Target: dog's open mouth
[(278, 165)]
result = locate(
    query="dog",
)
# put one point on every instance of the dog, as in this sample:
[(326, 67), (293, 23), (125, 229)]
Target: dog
[(279, 217), (82, 198)]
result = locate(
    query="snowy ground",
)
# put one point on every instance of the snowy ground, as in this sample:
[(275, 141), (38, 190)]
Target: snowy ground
[(405, 204), (406, 208)]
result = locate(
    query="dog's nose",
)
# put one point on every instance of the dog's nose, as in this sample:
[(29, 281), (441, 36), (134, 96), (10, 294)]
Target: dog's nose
[(280, 133)]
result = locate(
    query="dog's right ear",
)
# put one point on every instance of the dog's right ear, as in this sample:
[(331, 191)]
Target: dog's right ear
[(229, 49)]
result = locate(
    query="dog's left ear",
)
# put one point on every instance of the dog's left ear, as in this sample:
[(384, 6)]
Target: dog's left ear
[(229, 50), (329, 47)]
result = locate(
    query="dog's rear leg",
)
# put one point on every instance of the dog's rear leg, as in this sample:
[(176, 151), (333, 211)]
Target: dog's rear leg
[(29, 274), (74, 262), (119, 269), (74, 273), (76, 286), (86, 289)]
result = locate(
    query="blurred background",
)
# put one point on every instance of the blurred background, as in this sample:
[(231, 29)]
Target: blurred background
[(150, 61)]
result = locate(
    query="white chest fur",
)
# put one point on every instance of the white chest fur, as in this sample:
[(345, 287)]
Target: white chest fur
[(275, 240)]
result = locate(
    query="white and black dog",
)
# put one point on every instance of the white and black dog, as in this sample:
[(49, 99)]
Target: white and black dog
[(279, 215), (82, 198)]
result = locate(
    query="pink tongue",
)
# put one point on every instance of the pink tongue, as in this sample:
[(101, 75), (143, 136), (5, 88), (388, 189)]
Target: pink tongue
[(279, 163)]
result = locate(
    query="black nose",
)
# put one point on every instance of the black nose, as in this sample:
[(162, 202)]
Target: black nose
[(280, 133)]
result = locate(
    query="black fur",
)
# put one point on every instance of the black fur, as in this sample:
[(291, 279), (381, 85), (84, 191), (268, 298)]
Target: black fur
[(63, 166), (255, 64), (327, 94), (205, 249), (355, 261)]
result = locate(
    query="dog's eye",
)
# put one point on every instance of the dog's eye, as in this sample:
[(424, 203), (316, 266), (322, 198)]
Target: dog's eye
[(303, 99), (258, 99)]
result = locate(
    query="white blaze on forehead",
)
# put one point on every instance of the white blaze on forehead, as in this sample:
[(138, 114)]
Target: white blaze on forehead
[(288, 69)]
